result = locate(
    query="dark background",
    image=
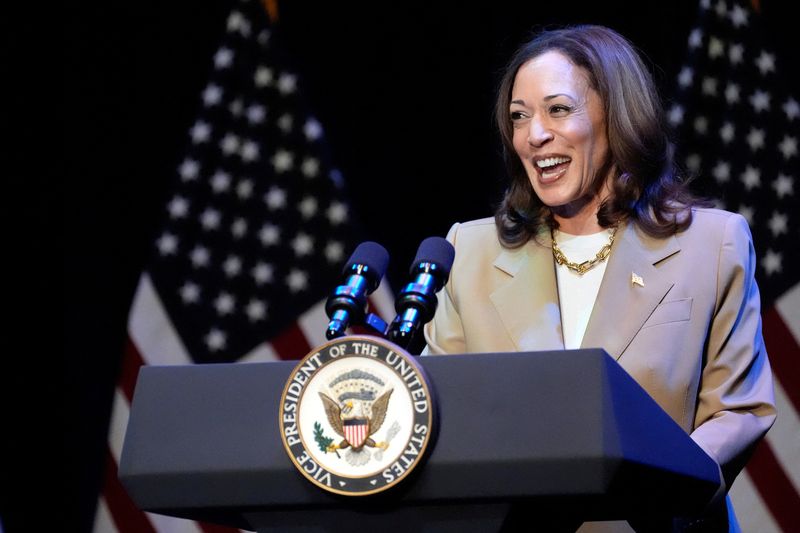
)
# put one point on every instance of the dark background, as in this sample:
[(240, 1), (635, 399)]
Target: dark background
[(404, 91)]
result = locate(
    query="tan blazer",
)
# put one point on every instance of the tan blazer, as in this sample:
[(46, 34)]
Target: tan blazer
[(691, 336)]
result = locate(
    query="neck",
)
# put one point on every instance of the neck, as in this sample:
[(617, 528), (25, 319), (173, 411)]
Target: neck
[(578, 219)]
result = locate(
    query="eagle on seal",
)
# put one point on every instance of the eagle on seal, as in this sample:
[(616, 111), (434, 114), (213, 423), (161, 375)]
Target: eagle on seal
[(343, 419)]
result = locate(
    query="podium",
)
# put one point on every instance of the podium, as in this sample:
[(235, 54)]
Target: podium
[(553, 437)]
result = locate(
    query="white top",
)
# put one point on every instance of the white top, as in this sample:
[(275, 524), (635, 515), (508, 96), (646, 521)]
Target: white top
[(577, 293)]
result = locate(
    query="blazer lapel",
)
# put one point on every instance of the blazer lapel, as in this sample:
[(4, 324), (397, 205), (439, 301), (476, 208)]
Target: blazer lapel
[(528, 302), (622, 305)]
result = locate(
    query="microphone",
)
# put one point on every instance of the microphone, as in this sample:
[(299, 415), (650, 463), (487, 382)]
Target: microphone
[(416, 303), (348, 303)]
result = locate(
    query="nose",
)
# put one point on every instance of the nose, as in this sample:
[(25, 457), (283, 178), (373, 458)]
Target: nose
[(538, 133)]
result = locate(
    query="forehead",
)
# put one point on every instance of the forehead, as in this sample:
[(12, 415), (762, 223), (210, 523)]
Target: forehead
[(551, 71)]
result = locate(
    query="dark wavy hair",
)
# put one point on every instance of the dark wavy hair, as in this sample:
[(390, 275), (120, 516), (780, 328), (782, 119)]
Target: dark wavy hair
[(648, 189)]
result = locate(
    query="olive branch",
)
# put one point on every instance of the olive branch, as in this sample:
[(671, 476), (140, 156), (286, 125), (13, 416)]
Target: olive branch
[(322, 441)]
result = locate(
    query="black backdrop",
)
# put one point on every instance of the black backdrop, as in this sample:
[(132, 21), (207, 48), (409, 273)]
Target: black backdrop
[(404, 92)]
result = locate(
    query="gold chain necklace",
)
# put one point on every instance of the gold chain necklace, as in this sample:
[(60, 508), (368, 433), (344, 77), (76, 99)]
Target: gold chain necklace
[(583, 268)]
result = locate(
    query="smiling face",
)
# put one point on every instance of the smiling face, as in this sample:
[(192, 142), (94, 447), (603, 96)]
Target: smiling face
[(559, 134)]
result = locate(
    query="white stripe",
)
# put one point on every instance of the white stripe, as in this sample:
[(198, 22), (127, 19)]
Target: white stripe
[(151, 329), (261, 353), (120, 412), (313, 323), (789, 307), (784, 437), (750, 510), (169, 524), (383, 300), (103, 523)]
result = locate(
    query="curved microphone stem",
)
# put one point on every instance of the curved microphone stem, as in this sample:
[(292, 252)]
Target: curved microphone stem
[(416, 303)]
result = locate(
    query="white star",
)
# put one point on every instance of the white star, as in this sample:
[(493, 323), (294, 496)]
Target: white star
[(788, 147), (710, 86), (735, 54), (167, 244), (297, 280), (236, 107), (732, 93), (765, 63), (686, 77), (244, 189), (334, 252), (239, 228), (263, 37), (302, 244), (756, 139), (310, 167), (772, 262), (783, 185), (262, 273), (760, 100), (275, 198), (721, 172), (269, 234), (224, 303), (337, 213), (199, 256), (705, 4), (215, 340), (223, 58), (696, 38), (256, 113), (791, 108), (200, 132), (249, 151), (693, 162), (721, 8), (263, 77), (675, 114), (212, 95), (190, 293), (256, 310), (220, 181), (282, 161), (308, 207), (716, 48), (738, 16), (232, 266), (312, 129), (701, 125), (727, 132), (237, 22), (287, 83), (189, 170), (336, 177), (778, 223), (747, 212), (285, 123), (751, 178), (178, 207), (210, 218), (229, 144)]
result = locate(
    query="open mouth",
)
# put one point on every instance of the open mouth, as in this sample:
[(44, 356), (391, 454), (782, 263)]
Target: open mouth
[(551, 168)]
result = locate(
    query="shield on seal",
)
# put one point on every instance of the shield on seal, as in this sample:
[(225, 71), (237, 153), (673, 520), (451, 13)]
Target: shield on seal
[(356, 431)]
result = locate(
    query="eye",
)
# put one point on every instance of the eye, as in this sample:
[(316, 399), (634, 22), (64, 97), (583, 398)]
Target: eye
[(517, 116), (559, 109)]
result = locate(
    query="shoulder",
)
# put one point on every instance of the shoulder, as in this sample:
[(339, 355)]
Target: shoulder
[(482, 231), (708, 223)]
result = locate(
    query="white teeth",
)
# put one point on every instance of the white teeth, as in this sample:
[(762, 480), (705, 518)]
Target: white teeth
[(550, 161)]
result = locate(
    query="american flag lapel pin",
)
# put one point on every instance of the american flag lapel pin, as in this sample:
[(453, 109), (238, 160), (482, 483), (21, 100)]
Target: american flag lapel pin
[(636, 279)]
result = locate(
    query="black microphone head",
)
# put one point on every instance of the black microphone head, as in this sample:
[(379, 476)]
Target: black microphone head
[(438, 251), (374, 257)]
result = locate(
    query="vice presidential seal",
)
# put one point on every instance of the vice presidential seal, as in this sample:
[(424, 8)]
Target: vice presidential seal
[(356, 415)]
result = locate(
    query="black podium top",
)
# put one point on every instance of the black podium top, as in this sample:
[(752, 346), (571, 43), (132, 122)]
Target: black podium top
[(559, 430)]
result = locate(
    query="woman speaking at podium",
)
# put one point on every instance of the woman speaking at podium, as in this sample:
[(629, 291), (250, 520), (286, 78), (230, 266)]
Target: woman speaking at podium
[(598, 243)]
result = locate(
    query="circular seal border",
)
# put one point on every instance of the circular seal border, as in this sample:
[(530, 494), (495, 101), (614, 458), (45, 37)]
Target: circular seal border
[(289, 408)]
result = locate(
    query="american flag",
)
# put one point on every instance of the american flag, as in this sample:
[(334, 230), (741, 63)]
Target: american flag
[(254, 238), (738, 127)]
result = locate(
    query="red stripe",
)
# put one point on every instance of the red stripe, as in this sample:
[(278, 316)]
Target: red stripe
[(214, 528), (127, 517), (784, 355), (775, 487), (131, 362), (291, 343)]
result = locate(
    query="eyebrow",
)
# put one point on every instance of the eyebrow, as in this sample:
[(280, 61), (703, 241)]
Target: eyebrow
[(546, 98)]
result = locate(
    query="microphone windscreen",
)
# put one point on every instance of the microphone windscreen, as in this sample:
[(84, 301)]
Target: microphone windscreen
[(438, 251), (372, 255)]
